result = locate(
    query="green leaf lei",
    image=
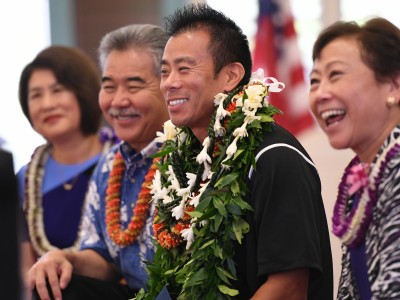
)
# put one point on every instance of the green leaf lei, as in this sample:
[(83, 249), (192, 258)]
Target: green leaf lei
[(198, 221)]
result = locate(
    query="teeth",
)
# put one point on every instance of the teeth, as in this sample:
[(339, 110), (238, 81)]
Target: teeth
[(176, 102), (333, 112)]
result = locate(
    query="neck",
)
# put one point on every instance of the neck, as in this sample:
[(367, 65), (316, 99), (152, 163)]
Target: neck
[(77, 150), (367, 154), (200, 133)]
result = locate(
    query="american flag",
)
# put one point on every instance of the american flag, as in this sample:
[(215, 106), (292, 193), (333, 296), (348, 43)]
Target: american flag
[(277, 52)]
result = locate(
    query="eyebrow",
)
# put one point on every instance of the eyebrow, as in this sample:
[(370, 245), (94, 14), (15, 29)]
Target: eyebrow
[(179, 60), (37, 88), (129, 79)]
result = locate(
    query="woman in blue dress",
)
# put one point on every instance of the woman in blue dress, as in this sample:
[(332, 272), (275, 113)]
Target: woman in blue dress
[(58, 93)]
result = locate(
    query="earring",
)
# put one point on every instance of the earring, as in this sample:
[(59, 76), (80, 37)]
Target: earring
[(392, 101)]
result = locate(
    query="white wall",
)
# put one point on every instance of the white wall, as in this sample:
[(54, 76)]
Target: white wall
[(24, 31)]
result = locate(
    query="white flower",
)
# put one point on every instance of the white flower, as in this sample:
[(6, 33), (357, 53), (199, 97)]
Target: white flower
[(219, 98), (188, 235), (255, 94), (218, 129), (156, 184), (239, 100), (190, 182), (257, 76), (170, 132), (241, 131), (250, 116), (179, 211), (182, 136), (172, 178), (207, 172), (231, 149), (195, 200), (163, 195), (203, 156)]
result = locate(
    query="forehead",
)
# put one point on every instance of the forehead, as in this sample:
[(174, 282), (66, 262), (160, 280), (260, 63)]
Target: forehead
[(345, 49), (134, 61), (193, 43), (39, 75)]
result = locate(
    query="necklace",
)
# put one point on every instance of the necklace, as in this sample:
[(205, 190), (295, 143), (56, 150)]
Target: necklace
[(70, 185), (351, 225), (199, 192), (33, 199), (113, 204)]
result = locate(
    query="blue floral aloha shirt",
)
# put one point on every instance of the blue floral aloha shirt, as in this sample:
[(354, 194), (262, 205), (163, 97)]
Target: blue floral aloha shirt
[(130, 260)]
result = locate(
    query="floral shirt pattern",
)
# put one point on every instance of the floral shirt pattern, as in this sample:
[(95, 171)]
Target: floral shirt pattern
[(131, 259)]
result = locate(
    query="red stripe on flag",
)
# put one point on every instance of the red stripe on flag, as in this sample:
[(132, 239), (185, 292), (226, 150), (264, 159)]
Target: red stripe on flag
[(271, 54)]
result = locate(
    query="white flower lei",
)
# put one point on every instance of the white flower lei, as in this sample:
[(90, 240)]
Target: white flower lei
[(33, 201), (257, 92), (175, 188)]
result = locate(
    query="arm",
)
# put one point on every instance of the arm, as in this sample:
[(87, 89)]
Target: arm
[(290, 285), (57, 266)]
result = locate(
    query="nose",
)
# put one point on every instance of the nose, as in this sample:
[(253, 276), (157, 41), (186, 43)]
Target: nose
[(320, 92), (121, 97), (49, 100), (170, 81)]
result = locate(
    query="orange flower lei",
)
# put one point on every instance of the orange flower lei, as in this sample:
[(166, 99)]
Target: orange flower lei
[(170, 237), (113, 204)]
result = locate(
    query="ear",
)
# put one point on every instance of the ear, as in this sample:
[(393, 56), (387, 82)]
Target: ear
[(234, 73), (395, 86)]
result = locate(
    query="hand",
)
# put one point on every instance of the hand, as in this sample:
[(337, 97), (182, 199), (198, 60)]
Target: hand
[(54, 267)]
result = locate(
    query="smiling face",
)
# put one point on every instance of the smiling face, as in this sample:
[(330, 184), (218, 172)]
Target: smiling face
[(347, 100), (53, 109), (130, 97), (188, 81)]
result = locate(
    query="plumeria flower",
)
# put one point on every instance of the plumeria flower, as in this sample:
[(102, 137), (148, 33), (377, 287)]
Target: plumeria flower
[(179, 211), (188, 236)]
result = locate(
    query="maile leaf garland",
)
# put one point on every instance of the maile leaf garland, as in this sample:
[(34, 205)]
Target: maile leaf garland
[(199, 191)]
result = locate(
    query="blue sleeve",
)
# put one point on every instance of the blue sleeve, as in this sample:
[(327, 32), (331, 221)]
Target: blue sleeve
[(21, 184), (93, 226)]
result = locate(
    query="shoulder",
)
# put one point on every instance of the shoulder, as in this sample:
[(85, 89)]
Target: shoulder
[(284, 143)]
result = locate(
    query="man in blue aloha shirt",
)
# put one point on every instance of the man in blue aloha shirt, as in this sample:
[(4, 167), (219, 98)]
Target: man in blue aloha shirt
[(116, 229)]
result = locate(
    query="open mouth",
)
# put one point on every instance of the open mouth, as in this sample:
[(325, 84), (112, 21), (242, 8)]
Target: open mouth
[(177, 102), (333, 116)]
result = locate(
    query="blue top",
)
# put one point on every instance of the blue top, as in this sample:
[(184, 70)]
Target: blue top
[(129, 259), (62, 209), (358, 263)]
